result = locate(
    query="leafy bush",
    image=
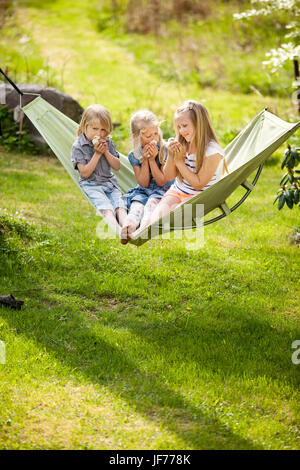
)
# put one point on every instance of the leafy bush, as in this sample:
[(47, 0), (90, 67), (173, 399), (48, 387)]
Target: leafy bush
[(150, 15), (12, 139), (290, 48), (289, 191)]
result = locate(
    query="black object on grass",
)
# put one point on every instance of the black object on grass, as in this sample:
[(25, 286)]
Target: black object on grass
[(10, 301)]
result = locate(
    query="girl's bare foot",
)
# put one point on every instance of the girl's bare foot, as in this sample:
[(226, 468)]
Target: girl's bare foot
[(126, 232), (124, 235)]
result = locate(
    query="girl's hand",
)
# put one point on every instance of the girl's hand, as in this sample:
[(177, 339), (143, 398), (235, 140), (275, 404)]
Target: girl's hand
[(176, 150), (180, 153), (153, 151), (173, 147), (146, 152)]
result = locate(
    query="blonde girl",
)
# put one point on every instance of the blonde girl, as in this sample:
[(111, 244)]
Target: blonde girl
[(147, 159), (93, 155), (193, 157)]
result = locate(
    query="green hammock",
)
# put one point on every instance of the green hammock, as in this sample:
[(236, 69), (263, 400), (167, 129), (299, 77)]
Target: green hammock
[(246, 153)]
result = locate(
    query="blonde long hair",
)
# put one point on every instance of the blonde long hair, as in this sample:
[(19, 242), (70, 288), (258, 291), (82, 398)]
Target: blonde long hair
[(139, 122), (95, 112), (204, 131)]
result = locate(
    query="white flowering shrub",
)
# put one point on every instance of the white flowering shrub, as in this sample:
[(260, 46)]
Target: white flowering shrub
[(289, 50)]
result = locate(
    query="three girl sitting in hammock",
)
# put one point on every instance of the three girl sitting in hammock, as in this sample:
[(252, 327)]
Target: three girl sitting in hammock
[(167, 176)]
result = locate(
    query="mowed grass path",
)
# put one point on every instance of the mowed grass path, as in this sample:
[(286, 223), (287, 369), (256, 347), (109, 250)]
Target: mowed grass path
[(94, 69), (119, 347)]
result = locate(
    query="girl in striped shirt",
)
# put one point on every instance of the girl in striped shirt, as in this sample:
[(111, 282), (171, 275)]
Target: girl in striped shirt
[(194, 158)]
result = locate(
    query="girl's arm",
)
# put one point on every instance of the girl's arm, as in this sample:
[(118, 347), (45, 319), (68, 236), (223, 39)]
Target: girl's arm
[(157, 172), (142, 173), (205, 174), (170, 170)]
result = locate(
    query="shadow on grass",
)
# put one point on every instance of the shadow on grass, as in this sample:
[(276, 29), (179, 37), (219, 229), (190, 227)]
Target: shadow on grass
[(93, 356), (146, 392), (191, 339)]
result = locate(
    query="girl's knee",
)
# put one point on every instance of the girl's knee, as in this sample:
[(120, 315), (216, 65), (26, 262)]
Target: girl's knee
[(152, 203), (121, 210), (106, 212), (150, 207), (136, 212), (163, 209)]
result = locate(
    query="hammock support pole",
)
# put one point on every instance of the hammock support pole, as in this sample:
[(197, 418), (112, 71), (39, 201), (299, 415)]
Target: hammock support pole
[(21, 93), (11, 82)]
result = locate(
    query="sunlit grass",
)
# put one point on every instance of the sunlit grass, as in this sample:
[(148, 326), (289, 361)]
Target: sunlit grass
[(151, 347)]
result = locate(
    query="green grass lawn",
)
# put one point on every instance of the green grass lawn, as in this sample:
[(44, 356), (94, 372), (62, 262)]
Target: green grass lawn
[(154, 347), (157, 347)]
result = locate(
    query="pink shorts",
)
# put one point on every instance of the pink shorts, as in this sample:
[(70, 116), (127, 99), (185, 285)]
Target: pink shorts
[(179, 195)]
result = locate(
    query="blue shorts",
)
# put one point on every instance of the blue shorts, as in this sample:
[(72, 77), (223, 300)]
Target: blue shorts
[(103, 197)]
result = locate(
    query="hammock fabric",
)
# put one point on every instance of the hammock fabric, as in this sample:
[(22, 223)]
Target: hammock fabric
[(247, 152)]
